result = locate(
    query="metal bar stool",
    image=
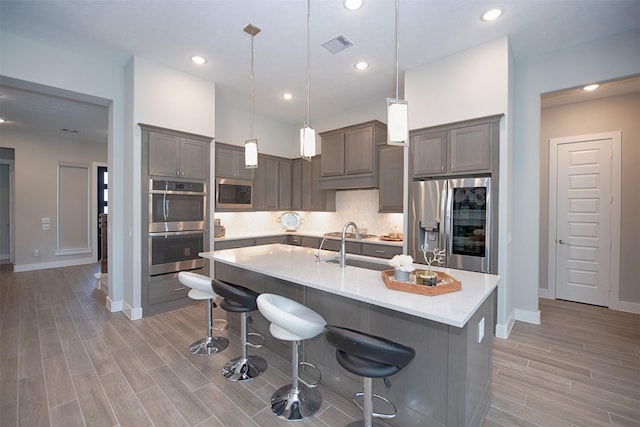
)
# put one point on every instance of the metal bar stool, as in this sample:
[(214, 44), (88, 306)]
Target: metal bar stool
[(200, 290), (370, 357), (292, 321), (238, 299)]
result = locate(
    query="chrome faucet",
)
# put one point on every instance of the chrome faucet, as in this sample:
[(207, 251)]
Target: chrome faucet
[(343, 245), (320, 248)]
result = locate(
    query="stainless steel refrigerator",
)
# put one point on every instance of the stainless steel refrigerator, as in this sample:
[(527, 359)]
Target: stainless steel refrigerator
[(454, 215)]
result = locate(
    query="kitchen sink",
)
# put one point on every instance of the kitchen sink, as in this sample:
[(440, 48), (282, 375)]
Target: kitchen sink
[(350, 235), (360, 263)]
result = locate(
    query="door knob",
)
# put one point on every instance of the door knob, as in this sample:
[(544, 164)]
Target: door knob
[(561, 241)]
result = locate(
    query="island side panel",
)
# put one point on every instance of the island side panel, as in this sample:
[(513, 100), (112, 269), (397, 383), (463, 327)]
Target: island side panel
[(470, 368)]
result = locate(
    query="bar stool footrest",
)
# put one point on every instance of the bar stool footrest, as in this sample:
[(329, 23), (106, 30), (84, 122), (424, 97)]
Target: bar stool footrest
[(221, 328), (315, 368), (255, 334), (377, 396)]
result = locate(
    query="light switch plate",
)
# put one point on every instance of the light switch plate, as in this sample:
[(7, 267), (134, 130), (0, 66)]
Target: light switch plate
[(480, 330)]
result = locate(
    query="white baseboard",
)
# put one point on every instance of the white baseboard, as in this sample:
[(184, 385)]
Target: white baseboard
[(133, 313), (114, 306), (527, 316), (19, 268), (546, 293), (504, 329), (630, 307)]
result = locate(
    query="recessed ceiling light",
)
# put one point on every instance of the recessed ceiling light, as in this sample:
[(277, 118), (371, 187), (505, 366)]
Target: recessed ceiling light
[(198, 60), (492, 14), (287, 96), (589, 88), (353, 4), (361, 65)]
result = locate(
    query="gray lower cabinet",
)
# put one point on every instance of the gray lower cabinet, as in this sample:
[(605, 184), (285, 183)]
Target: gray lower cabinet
[(334, 245), (233, 244), (381, 251), (391, 179), (172, 154), (271, 240), (448, 383)]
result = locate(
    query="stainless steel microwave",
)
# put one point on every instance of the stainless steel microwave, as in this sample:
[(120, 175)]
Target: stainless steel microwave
[(234, 194)]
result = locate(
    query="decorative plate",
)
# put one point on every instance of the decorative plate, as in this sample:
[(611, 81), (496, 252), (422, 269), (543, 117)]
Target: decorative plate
[(290, 221)]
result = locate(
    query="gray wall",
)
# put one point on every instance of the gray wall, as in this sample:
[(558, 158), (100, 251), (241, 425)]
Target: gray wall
[(36, 166), (600, 115)]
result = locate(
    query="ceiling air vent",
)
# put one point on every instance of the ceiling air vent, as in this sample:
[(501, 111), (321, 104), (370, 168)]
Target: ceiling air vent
[(337, 44)]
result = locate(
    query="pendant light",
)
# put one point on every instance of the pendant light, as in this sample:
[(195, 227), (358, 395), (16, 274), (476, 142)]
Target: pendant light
[(251, 144), (307, 134), (397, 109)]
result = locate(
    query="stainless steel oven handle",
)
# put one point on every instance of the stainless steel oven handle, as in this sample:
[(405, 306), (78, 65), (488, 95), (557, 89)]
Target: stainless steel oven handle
[(164, 206), (176, 233)]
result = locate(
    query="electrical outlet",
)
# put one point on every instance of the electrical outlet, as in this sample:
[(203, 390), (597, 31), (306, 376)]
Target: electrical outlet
[(36, 252), (480, 330)]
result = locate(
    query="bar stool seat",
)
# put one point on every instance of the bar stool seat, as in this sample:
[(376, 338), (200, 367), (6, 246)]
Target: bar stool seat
[(201, 290), (368, 356), (238, 299), (292, 321)]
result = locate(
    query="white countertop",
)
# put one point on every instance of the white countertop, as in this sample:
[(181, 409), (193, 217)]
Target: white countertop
[(296, 264)]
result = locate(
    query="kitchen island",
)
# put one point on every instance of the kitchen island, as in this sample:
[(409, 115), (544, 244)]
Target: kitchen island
[(449, 381)]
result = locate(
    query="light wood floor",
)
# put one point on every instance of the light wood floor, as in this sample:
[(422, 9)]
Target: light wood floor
[(66, 361)]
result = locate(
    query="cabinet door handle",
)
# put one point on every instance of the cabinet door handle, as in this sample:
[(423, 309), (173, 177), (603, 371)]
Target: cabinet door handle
[(179, 289), (381, 252)]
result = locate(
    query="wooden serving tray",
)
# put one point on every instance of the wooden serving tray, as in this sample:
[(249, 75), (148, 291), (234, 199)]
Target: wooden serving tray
[(446, 284)]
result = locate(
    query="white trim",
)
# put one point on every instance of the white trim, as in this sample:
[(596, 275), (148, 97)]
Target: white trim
[(616, 194), (94, 207), (546, 293), (504, 329), (131, 312), (113, 306), (86, 167), (12, 205), (630, 307), (527, 316), (19, 268), (77, 251)]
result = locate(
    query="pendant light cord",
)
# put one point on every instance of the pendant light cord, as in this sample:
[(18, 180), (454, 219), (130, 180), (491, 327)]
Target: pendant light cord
[(397, 45), (251, 107), (308, 62)]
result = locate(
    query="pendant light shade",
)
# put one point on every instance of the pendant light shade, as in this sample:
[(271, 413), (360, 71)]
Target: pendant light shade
[(251, 153), (251, 144), (307, 142), (397, 122), (397, 109), (307, 134)]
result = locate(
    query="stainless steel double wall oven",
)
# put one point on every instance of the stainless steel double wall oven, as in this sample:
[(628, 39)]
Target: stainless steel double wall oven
[(177, 225)]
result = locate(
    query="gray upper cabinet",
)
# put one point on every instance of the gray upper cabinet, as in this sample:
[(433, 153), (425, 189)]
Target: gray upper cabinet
[(176, 156), (429, 153), (265, 184), (470, 148), (230, 162), (284, 184), (349, 156), (306, 195), (463, 148), (391, 179)]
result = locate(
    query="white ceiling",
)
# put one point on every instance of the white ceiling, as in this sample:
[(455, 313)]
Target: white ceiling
[(171, 31)]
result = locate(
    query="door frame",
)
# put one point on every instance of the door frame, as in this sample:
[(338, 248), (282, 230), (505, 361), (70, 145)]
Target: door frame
[(12, 199), (616, 174), (94, 208)]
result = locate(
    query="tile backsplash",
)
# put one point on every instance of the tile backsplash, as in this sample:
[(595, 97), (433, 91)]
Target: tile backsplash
[(360, 206)]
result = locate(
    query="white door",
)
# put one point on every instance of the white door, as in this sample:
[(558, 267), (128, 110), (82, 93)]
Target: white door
[(583, 221)]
